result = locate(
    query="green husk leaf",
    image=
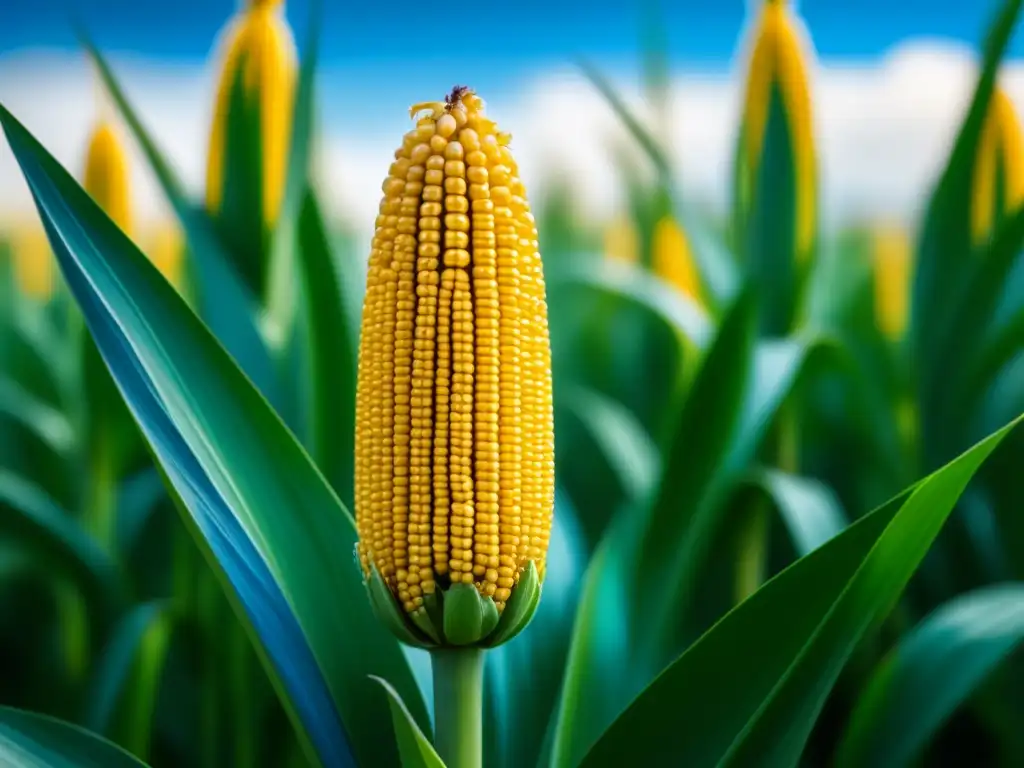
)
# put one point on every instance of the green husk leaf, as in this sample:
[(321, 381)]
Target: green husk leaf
[(387, 610), (519, 608), (464, 614)]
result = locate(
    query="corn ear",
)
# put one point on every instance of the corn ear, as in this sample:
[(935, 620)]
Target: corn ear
[(893, 257), (673, 259), (775, 185), (454, 428), (107, 177), (998, 183), (250, 140)]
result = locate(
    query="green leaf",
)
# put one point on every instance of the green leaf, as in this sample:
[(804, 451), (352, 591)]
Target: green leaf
[(57, 541), (636, 286), (997, 352), (652, 148), (682, 511), (749, 691), (28, 740), (604, 456), (933, 670), (30, 355), (767, 239), (227, 306), (809, 509), (944, 251), (268, 522), (282, 291), (414, 748), (126, 682), (523, 677), (45, 422), (332, 353), (598, 665), (240, 218)]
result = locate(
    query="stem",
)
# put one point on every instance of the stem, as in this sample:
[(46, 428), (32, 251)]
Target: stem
[(752, 555), (458, 706)]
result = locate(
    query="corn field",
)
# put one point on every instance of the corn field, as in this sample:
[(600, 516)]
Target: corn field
[(514, 487)]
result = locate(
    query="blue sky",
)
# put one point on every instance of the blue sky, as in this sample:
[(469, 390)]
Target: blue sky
[(384, 33), (890, 80)]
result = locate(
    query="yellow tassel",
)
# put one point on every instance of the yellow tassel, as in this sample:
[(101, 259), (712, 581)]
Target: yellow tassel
[(454, 434), (893, 253), (998, 187), (778, 62), (106, 175), (673, 259), (260, 41)]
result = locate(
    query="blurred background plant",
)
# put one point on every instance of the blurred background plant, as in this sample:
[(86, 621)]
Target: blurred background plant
[(736, 386)]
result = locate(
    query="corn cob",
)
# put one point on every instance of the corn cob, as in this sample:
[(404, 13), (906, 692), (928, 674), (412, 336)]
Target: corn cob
[(454, 433), (777, 70), (673, 259), (261, 50), (893, 253), (106, 175), (998, 185)]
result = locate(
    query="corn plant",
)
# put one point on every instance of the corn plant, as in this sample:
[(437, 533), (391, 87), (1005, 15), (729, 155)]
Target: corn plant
[(648, 541)]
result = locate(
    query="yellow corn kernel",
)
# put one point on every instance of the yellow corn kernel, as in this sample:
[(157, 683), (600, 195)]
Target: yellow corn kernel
[(893, 251), (621, 242), (777, 63), (34, 268), (106, 175), (454, 425), (998, 185), (673, 259), (261, 50)]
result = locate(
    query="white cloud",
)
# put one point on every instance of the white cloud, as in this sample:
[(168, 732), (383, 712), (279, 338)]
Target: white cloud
[(883, 129)]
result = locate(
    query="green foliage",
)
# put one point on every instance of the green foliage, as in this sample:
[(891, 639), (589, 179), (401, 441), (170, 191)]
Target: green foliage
[(177, 567)]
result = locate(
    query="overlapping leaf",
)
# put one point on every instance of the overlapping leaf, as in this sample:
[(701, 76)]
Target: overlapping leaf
[(276, 533)]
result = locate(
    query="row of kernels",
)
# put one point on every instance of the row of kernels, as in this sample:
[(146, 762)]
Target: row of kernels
[(461, 437), (442, 408)]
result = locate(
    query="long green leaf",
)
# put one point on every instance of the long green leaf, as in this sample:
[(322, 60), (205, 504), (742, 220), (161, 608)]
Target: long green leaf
[(934, 670), (282, 291), (636, 286), (47, 423), (749, 691), (229, 308), (57, 541), (332, 353), (415, 748), (682, 510), (28, 740), (809, 509), (276, 534), (604, 456), (126, 681), (598, 663), (943, 254)]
